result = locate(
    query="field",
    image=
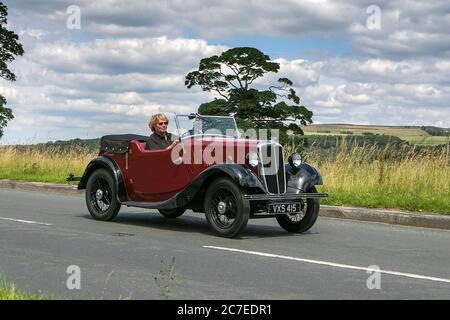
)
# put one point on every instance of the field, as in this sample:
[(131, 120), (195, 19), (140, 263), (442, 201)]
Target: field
[(413, 135), (354, 175)]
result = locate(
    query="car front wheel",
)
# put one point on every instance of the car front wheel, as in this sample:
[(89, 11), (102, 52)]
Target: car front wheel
[(101, 196), (301, 221), (226, 210)]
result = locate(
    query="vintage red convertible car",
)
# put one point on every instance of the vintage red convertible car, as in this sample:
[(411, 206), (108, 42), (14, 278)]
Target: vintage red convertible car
[(211, 170)]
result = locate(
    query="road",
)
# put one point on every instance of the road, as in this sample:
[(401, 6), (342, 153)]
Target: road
[(42, 234)]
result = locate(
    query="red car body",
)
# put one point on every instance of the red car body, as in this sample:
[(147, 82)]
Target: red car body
[(151, 175)]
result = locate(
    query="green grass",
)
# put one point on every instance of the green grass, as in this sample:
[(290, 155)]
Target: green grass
[(8, 291), (389, 200)]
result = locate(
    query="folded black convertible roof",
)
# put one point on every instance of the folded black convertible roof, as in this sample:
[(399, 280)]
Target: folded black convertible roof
[(118, 143)]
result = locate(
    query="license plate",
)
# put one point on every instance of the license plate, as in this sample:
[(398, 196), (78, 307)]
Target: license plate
[(283, 208)]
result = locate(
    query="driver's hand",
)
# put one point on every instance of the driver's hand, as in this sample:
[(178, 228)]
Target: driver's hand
[(174, 143)]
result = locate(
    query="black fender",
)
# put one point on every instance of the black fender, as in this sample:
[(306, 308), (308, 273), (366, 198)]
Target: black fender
[(113, 168), (239, 174), (301, 179)]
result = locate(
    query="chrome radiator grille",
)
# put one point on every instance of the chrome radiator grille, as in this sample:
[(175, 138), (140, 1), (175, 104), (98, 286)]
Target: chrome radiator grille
[(272, 167)]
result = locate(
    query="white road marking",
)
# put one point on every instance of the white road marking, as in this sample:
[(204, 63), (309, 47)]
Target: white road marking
[(26, 221), (332, 264)]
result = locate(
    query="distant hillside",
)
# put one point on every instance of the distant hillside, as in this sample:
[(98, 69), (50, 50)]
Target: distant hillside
[(91, 145), (424, 136), (321, 136)]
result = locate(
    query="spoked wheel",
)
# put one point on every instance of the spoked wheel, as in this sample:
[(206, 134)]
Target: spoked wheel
[(101, 196), (304, 220), (172, 213), (226, 210)]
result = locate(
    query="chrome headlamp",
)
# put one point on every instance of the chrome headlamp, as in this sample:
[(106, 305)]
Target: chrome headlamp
[(295, 160), (252, 159)]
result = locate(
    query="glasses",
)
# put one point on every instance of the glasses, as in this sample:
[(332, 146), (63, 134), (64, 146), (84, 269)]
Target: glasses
[(161, 123)]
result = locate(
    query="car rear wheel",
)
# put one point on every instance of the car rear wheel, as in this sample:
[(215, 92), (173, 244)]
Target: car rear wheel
[(172, 213), (101, 196), (304, 220), (226, 210)]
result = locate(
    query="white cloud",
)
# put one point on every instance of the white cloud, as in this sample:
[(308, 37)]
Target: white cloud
[(34, 33), (117, 81), (408, 27), (122, 55)]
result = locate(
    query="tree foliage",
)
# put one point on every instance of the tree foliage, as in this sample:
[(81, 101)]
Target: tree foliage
[(9, 49), (436, 131), (231, 76)]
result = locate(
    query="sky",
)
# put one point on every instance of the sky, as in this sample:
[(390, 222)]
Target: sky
[(101, 67)]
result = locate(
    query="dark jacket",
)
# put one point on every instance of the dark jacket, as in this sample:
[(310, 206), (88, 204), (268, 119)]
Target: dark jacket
[(157, 142)]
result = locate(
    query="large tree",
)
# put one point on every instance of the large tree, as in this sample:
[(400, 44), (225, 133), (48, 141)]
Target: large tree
[(231, 76), (9, 48)]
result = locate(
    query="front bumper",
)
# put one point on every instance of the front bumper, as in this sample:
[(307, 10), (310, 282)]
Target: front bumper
[(285, 196)]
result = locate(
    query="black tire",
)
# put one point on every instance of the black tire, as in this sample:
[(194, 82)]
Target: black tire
[(101, 196), (172, 213), (301, 222), (234, 209)]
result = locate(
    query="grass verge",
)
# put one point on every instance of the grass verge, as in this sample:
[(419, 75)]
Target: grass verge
[(8, 291)]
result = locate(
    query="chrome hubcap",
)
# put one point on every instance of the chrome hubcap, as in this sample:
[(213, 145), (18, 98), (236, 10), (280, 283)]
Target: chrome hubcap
[(221, 207), (99, 194)]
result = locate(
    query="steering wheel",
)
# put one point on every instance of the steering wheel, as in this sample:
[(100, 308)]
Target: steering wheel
[(185, 134)]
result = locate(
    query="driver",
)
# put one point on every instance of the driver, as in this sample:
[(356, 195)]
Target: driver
[(160, 138)]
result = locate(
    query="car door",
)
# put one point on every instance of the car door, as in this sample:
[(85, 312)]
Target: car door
[(153, 175)]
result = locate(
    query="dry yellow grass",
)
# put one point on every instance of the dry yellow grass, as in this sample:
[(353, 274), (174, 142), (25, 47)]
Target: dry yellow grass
[(389, 178), (51, 165)]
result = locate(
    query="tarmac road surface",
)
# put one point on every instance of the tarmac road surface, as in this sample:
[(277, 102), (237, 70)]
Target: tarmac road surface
[(43, 234)]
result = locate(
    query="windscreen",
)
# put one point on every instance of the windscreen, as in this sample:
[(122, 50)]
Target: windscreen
[(190, 125)]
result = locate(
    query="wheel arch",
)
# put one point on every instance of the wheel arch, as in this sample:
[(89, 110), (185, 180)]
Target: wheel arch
[(244, 178), (111, 166), (302, 178)]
